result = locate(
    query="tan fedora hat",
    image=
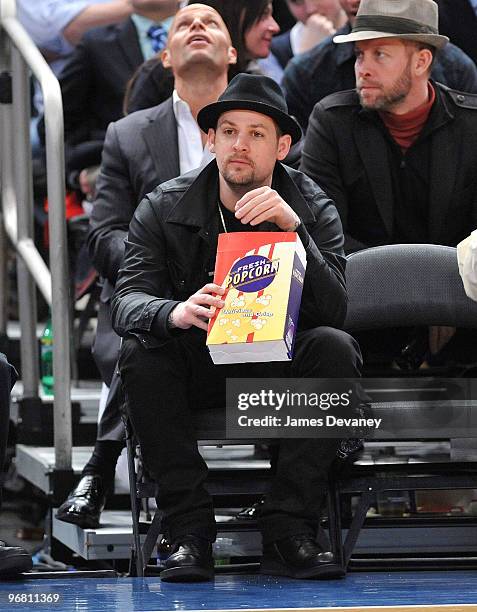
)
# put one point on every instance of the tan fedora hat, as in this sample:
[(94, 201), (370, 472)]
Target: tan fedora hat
[(409, 19)]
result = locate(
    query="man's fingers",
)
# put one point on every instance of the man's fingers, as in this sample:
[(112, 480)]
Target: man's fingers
[(250, 195), (264, 208), (253, 203), (211, 288), (207, 299), (265, 216), (199, 311), (196, 322)]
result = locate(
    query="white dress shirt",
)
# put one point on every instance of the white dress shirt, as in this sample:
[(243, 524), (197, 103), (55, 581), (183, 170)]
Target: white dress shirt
[(192, 153)]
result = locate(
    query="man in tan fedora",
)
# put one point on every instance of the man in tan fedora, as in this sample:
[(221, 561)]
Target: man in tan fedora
[(397, 155), (329, 67)]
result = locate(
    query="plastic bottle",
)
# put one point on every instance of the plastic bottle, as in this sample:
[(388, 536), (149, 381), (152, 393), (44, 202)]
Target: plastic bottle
[(222, 548), (46, 358)]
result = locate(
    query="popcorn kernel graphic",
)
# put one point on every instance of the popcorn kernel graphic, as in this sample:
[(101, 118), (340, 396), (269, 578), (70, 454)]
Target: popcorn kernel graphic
[(236, 322), (238, 301), (223, 321), (264, 300), (257, 323)]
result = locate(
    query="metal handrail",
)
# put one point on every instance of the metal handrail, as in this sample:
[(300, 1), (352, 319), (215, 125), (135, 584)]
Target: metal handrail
[(19, 54)]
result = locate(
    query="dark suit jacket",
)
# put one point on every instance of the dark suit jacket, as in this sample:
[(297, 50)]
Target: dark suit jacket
[(347, 154), (140, 152), (93, 81), (281, 48), (458, 21)]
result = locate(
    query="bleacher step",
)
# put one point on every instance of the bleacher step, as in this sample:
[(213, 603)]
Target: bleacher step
[(113, 539)]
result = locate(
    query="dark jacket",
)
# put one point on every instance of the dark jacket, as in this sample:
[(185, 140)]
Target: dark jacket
[(282, 49), (328, 68), (140, 151), (346, 152), (94, 79), (172, 242), (133, 164), (458, 21)]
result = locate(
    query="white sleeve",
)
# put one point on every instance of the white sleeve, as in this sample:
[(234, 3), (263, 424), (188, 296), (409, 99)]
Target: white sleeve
[(45, 20), (467, 260)]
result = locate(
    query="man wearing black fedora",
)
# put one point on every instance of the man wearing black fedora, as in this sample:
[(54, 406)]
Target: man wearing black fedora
[(397, 154), (164, 297)]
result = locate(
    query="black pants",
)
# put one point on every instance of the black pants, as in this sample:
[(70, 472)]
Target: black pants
[(8, 376), (164, 384)]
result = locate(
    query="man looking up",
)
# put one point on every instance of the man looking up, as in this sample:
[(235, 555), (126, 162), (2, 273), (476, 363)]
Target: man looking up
[(164, 298), (141, 151)]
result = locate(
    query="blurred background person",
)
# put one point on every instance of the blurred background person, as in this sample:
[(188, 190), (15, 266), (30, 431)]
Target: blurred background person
[(458, 21), (315, 21)]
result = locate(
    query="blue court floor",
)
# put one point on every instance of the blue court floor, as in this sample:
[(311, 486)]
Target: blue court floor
[(242, 592)]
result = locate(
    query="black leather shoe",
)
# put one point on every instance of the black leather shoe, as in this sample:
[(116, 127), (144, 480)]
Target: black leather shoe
[(191, 561), (13, 560), (85, 503), (299, 556)]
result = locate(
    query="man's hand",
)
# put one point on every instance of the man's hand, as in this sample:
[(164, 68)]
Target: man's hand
[(317, 28), (264, 204), (198, 309)]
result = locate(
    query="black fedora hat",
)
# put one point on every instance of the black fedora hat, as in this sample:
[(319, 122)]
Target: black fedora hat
[(252, 92)]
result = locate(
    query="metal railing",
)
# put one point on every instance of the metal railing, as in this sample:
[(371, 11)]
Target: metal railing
[(18, 56)]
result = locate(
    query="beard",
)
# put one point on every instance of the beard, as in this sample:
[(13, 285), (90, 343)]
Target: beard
[(389, 97), (245, 178)]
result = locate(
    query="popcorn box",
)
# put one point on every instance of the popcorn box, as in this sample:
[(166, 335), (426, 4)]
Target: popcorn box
[(262, 274)]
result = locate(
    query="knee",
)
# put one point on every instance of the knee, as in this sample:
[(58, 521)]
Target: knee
[(336, 342), (333, 350)]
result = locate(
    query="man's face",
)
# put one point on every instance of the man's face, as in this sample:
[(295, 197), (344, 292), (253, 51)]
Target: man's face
[(247, 146), (303, 9), (198, 35), (258, 38), (350, 7), (384, 75)]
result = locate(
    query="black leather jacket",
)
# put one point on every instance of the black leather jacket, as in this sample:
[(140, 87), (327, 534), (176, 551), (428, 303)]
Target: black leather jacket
[(170, 252)]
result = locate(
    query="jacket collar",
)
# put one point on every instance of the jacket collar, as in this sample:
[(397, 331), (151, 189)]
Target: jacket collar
[(197, 207)]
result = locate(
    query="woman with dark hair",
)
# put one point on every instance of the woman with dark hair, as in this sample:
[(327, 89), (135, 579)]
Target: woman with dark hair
[(251, 26)]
